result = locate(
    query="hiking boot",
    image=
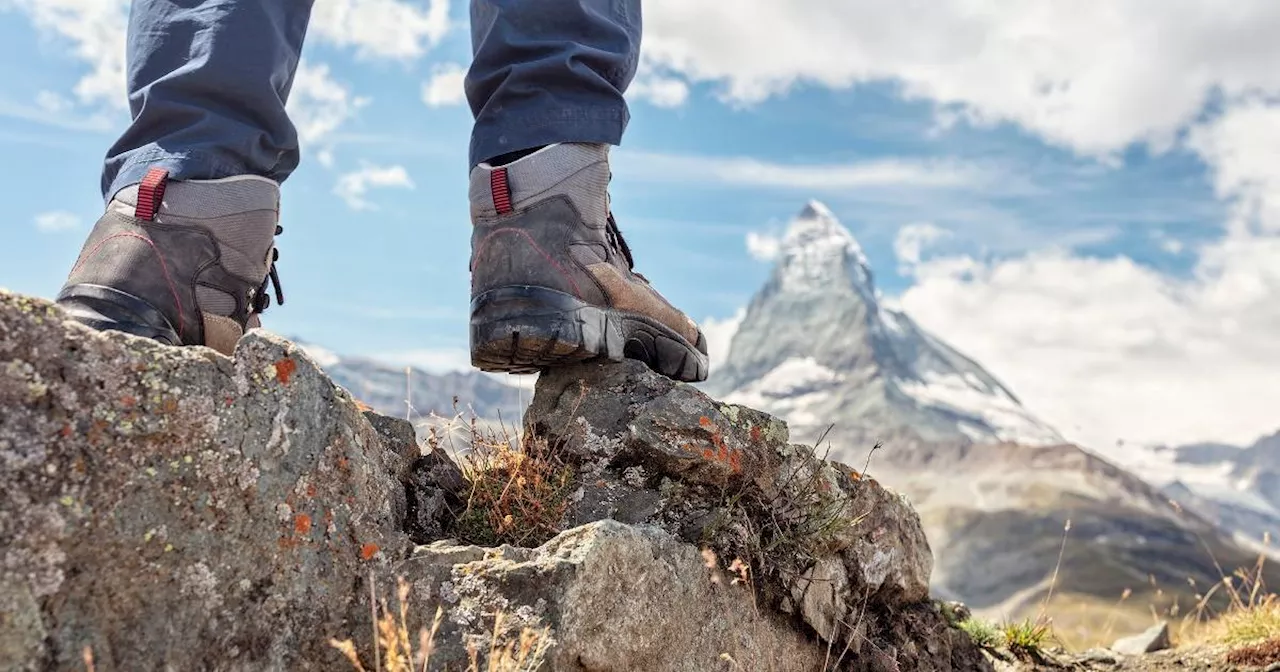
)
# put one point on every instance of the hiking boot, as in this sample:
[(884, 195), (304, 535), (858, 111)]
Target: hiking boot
[(551, 276), (182, 262)]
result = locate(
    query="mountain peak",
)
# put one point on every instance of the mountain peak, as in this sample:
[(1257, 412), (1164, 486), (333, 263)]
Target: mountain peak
[(816, 210), (816, 346), (817, 249)]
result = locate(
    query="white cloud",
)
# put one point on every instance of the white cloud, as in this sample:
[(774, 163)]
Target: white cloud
[(659, 90), (763, 246), (319, 105), (1168, 243), (57, 221), (1090, 76), (445, 86), (719, 333), (353, 187), (750, 172), (912, 240), (381, 28), (1108, 349), (96, 31), (1244, 146), (52, 102)]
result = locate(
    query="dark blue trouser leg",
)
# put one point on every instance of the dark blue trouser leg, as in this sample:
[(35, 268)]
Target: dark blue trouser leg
[(208, 81), (547, 71)]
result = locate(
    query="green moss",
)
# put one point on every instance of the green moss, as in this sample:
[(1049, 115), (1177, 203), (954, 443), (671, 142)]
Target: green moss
[(984, 634)]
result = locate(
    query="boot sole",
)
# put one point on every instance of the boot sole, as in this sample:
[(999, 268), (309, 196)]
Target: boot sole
[(108, 309), (525, 329)]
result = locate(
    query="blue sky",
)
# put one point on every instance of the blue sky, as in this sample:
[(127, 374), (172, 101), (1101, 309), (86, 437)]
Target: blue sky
[(1087, 205)]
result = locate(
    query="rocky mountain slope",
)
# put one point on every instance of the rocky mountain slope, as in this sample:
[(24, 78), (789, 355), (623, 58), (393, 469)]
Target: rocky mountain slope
[(1236, 487), (386, 388), (171, 508), (995, 486)]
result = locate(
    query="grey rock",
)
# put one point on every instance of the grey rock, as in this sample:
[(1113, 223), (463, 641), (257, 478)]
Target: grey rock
[(436, 490), (175, 509), (839, 545), (1155, 638), (611, 597)]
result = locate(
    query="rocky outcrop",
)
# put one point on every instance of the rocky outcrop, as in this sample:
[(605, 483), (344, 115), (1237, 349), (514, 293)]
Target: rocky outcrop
[(170, 508), (837, 550), (174, 509)]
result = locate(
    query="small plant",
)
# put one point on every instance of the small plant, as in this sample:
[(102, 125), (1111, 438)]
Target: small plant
[(1251, 623), (983, 633), (1253, 616), (1026, 638), (518, 496)]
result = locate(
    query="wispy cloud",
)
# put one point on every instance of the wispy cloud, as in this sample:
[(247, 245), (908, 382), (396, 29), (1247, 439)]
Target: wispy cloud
[(752, 172), (319, 105), (59, 115), (353, 187), (57, 221), (912, 240)]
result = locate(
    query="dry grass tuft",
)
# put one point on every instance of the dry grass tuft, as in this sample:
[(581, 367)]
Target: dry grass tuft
[(1247, 624), (519, 489), (1253, 614), (394, 651)]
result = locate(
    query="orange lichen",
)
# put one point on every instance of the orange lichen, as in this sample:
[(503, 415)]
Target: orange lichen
[(368, 551), (284, 369), (755, 432), (704, 421), (302, 523)]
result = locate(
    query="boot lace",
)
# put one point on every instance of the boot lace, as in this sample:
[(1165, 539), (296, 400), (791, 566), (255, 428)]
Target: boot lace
[(614, 234), (261, 300)]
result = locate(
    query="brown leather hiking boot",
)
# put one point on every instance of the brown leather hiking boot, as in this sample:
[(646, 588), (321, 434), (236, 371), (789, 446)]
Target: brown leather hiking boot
[(551, 277), (182, 262)]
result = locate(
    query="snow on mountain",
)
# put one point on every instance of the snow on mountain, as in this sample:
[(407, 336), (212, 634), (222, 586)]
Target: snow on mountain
[(1236, 487), (817, 346)]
